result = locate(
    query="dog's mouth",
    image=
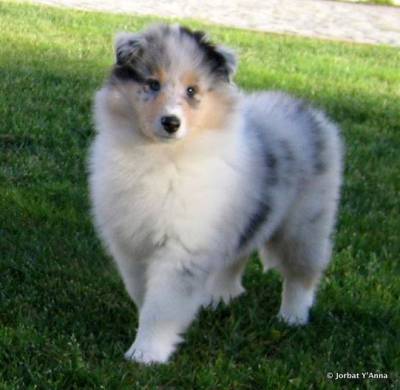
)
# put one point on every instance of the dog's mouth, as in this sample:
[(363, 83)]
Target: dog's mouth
[(167, 137)]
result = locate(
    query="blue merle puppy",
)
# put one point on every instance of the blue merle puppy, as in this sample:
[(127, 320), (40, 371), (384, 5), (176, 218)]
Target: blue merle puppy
[(189, 175)]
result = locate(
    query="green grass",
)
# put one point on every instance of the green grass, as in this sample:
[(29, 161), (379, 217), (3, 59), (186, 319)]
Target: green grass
[(377, 2), (65, 319)]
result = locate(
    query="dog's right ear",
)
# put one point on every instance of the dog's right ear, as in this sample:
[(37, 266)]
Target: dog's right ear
[(128, 46)]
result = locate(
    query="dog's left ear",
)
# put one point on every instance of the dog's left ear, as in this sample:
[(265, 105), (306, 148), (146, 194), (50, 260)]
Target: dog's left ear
[(128, 46), (230, 60)]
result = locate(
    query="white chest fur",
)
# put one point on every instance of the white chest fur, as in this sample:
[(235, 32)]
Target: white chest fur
[(145, 196)]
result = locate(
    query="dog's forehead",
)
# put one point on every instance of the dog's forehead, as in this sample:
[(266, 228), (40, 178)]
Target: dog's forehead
[(167, 48)]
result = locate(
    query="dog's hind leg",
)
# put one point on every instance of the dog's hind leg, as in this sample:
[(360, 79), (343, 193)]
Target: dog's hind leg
[(302, 249), (301, 274)]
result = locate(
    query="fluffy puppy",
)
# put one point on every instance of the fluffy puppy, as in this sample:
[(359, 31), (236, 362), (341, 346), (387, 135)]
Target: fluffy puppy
[(188, 176)]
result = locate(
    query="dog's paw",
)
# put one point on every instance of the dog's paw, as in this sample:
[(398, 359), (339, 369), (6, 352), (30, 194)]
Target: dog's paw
[(143, 357), (146, 353), (296, 305), (294, 318)]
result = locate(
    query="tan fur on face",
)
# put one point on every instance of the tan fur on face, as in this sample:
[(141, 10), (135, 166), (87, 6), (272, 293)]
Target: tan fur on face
[(213, 111), (130, 102), (190, 79), (151, 112)]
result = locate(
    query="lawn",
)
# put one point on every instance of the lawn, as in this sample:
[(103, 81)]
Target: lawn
[(65, 319)]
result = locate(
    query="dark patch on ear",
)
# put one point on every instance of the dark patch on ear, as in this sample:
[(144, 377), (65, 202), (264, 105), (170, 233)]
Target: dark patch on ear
[(137, 56), (127, 47), (124, 56), (126, 73), (215, 59)]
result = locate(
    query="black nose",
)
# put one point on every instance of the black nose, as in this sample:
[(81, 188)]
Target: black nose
[(170, 123)]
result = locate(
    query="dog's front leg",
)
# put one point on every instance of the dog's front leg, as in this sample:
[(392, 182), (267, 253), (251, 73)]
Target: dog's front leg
[(174, 293)]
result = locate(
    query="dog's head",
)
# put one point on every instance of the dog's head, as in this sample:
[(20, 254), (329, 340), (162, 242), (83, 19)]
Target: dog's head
[(172, 82)]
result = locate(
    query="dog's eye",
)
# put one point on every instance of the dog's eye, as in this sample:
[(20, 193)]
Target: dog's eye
[(154, 85), (191, 91)]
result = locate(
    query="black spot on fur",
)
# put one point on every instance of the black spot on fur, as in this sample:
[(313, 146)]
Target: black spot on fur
[(287, 151), (288, 161), (317, 216), (214, 59), (270, 178), (187, 272), (257, 219), (302, 109), (270, 159), (271, 162), (320, 165)]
